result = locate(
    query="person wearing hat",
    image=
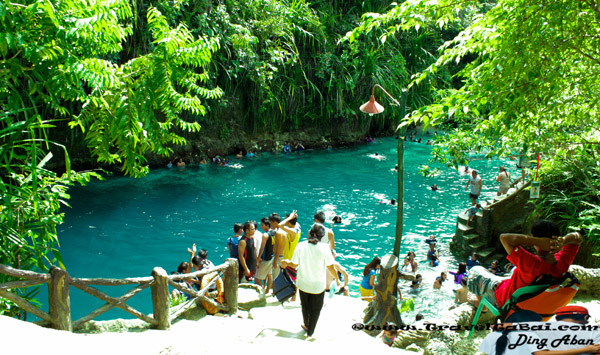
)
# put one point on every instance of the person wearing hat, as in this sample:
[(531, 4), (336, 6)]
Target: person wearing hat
[(570, 334), (573, 314)]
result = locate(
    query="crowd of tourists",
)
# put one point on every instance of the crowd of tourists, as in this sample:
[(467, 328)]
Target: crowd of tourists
[(276, 247)]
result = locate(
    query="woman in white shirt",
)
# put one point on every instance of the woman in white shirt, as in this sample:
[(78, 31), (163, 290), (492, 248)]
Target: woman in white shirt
[(312, 259)]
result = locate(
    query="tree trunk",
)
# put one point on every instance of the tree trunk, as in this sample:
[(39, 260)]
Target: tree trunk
[(384, 308), (400, 200)]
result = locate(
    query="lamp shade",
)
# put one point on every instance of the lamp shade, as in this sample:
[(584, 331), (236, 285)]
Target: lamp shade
[(372, 107)]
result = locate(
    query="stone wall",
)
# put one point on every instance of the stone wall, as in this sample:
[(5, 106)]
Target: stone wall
[(506, 214)]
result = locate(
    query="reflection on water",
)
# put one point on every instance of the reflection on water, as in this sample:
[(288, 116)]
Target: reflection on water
[(124, 227)]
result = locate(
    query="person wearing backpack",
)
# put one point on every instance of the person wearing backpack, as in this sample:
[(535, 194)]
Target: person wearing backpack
[(232, 242), (265, 257)]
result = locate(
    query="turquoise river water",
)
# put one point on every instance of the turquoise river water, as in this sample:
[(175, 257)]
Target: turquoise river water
[(124, 227)]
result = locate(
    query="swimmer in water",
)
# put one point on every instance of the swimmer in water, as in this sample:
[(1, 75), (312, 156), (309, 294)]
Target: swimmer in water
[(389, 202), (377, 156)]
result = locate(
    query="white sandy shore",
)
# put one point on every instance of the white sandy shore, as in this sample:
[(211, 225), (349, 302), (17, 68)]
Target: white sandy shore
[(273, 329)]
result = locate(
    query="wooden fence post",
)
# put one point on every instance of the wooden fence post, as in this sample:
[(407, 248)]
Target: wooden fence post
[(59, 302), (230, 280), (160, 298)]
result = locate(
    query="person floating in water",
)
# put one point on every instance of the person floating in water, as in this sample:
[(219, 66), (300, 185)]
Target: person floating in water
[(389, 202), (299, 147), (377, 156), (337, 219), (434, 187)]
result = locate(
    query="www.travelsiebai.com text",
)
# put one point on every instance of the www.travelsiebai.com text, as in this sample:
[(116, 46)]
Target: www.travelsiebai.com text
[(491, 326)]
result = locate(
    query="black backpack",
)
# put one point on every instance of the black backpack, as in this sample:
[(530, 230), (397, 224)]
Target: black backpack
[(233, 243)]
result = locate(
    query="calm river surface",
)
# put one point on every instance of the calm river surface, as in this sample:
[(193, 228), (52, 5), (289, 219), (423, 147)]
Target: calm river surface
[(124, 227)]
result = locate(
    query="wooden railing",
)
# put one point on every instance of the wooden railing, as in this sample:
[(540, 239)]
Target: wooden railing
[(59, 283)]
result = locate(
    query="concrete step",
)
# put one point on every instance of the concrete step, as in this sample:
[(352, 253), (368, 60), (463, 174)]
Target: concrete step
[(464, 229), (462, 217), (470, 239), (477, 246), (485, 254)]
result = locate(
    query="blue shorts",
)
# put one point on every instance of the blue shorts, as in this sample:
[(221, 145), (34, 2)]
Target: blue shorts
[(473, 196)]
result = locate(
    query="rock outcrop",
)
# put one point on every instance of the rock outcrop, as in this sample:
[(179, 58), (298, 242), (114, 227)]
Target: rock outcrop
[(589, 280)]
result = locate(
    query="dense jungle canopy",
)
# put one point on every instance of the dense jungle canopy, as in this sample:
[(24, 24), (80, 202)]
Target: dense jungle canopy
[(124, 80)]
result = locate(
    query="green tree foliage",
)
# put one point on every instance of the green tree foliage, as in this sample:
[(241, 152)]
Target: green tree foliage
[(60, 64), (283, 67), (529, 85)]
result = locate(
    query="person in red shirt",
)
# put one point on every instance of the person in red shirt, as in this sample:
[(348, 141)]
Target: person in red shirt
[(554, 256)]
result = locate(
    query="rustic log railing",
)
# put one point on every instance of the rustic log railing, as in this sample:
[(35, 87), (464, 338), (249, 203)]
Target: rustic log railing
[(59, 282)]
